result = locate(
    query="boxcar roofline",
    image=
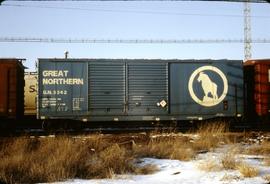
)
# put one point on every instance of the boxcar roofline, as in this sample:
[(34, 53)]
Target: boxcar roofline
[(138, 60)]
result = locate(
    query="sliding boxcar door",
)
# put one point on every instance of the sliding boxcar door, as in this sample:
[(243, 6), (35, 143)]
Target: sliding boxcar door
[(147, 88), (106, 88)]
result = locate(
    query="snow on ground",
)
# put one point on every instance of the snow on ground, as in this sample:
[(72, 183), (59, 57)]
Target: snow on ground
[(180, 172)]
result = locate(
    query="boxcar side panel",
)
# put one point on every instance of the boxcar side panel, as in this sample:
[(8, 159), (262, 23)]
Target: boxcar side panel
[(136, 90), (62, 89), (250, 104), (30, 93), (262, 89), (257, 81), (3, 91), (106, 88), (206, 89), (11, 92), (147, 88)]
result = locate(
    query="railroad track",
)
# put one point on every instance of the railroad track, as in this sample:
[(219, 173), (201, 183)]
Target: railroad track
[(40, 131), (37, 129)]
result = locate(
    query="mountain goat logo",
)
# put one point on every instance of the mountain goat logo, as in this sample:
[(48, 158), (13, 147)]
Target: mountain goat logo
[(209, 87)]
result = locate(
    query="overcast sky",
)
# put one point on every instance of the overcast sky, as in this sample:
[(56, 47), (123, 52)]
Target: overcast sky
[(131, 20)]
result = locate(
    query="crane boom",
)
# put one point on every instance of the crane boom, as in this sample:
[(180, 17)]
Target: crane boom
[(247, 31)]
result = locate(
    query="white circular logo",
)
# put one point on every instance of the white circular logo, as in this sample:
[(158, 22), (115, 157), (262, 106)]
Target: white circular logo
[(209, 87)]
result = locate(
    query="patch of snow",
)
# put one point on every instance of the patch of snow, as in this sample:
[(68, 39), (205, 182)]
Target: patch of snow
[(179, 172), (188, 172)]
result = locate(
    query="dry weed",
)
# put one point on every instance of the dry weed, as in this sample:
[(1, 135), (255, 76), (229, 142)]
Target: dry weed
[(26, 160), (236, 149), (184, 153), (267, 178), (169, 148), (230, 178), (209, 165), (234, 137), (210, 135), (262, 149), (266, 161), (116, 159), (147, 169), (247, 170), (228, 161)]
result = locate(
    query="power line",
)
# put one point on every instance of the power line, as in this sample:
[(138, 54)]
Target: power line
[(251, 1), (128, 41), (131, 11)]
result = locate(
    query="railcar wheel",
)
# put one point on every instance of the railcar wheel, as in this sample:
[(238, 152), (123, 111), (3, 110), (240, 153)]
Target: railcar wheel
[(46, 125)]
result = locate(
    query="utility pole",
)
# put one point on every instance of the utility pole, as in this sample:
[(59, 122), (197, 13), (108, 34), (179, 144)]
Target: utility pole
[(247, 30)]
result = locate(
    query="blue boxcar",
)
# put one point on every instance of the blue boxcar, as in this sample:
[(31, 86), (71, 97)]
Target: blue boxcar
[(138, 90)]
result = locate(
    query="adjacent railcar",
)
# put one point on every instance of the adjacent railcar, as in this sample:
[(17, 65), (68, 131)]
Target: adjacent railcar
[(30, 93), (257, 81), (11, 88), (139, 90)]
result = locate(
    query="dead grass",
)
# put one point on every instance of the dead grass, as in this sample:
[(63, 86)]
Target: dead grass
[(228, 161), (113, 160), (209, 165), (25, 160), (262, 149), (247, 170), (183, 148), (36, 161), (267, 178), (167, 148), (210, 135), (147, 169), (266, 161), (230, 178)]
